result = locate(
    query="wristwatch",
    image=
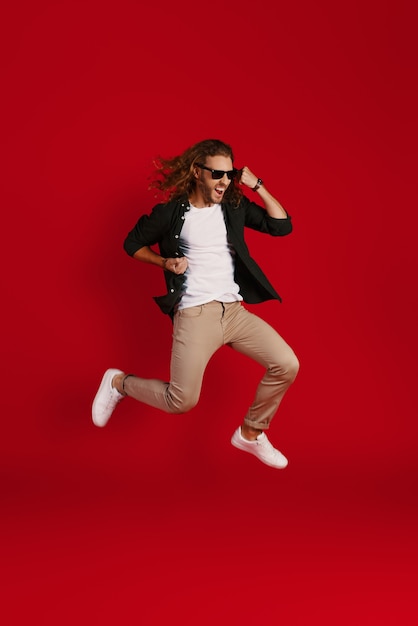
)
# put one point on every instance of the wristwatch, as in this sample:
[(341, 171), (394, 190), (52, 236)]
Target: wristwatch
[(258, 185)]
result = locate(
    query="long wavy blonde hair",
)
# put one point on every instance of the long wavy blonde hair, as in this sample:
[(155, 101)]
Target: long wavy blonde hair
[(175, 177)]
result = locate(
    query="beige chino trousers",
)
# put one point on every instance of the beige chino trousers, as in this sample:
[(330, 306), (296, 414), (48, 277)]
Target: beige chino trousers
[(197, 334)]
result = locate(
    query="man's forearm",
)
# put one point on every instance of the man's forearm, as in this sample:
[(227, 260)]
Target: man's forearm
[(146, 255), (273, 206), (176, 265)]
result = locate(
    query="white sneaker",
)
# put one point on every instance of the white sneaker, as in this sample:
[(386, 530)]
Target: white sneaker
[(261, 448), (106, 399)]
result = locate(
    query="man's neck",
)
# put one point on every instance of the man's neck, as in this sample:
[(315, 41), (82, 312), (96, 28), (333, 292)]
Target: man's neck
[(199, 200)]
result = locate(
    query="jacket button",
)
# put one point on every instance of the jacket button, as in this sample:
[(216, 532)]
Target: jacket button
[(172, 290), (176, 236)]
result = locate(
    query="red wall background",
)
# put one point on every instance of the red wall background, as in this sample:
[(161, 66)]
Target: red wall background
[(159, 520)]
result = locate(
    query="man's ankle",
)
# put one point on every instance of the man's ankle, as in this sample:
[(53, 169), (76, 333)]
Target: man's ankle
[(117, 383), (250, 433)]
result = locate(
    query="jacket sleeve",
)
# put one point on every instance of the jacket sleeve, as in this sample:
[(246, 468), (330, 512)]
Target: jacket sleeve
[(257, 218), (148, 231)]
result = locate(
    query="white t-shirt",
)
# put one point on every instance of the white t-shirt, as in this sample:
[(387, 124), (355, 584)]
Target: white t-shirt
[(210, 273)]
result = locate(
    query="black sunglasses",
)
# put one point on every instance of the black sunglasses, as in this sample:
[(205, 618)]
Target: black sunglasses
[(217, 174)]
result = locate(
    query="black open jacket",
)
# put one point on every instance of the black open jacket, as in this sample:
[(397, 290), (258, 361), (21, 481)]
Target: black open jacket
[(163, 227)]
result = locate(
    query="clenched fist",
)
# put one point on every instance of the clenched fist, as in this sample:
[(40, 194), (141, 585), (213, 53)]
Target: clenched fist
[(177, 266), (248, 178)]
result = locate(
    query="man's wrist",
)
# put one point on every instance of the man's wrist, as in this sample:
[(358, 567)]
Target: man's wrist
[(257, 185), (164, 263)]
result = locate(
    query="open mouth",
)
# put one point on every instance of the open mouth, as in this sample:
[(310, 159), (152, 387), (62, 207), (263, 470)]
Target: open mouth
[(219, 191)]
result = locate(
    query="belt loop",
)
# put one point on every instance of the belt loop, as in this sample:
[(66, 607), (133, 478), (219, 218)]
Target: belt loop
[(223, 309)]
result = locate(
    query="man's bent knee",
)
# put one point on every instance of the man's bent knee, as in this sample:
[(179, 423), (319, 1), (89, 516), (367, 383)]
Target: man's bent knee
[(287, 370), (293, 368), (178, 405)]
